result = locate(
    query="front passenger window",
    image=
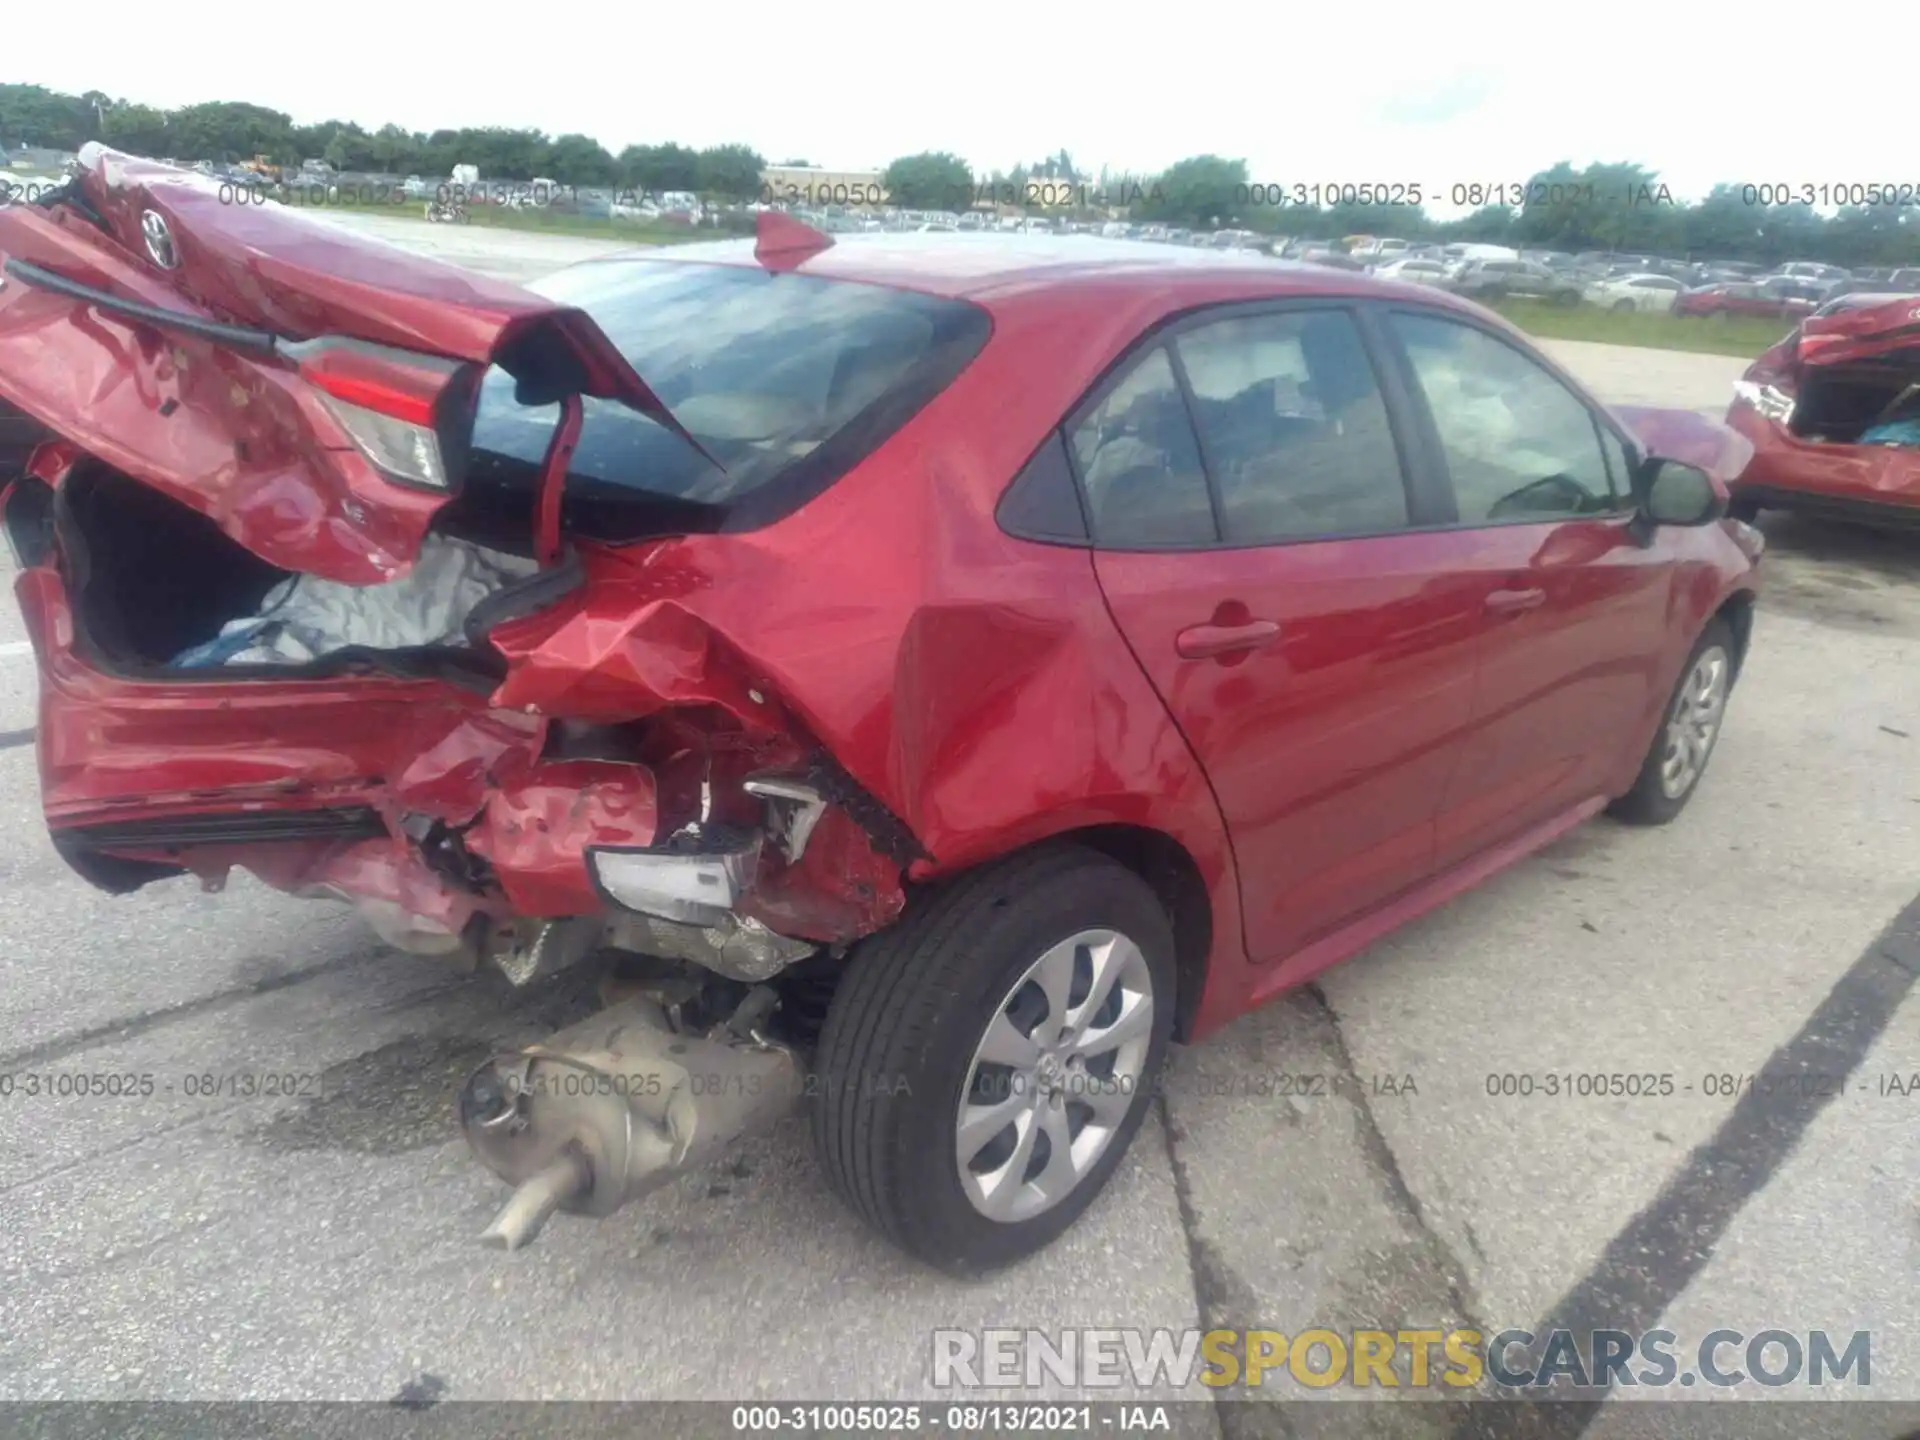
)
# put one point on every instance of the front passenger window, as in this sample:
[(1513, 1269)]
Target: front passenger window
[(1518, 444)]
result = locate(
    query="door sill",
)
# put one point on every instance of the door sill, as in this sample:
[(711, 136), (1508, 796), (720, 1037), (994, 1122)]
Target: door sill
[(1350, 939)]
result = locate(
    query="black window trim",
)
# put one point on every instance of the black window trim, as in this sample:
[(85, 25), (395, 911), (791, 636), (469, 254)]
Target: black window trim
[(1002, 508), (1422, 417), (1202, 447), (1417, 476)]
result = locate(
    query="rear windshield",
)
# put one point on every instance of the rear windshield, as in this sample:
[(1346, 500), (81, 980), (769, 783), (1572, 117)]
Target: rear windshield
[(786, 380)]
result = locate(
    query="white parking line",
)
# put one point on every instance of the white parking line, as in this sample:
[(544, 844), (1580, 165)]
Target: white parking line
[(11, 648)]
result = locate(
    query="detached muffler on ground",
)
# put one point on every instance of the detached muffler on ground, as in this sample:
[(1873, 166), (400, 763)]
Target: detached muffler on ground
[(616, 1106)]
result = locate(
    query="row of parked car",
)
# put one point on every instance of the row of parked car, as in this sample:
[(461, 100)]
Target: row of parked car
[(1645, 283), (1637, 283)]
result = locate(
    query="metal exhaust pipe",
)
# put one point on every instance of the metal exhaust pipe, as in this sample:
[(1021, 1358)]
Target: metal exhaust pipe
[(614, 1107)]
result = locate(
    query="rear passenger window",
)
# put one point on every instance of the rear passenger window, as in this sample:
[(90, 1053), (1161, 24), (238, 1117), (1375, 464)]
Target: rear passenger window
[(1295, 429), (1140, 464)]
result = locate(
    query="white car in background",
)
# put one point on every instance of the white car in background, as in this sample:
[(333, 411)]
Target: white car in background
[(1649, 294), (1415, 270)]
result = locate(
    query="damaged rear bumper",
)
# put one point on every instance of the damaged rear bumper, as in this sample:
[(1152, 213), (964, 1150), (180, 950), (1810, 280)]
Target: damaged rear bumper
[(453, 819)]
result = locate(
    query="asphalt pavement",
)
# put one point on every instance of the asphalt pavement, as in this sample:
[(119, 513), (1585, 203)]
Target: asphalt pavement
[(181, 1245)]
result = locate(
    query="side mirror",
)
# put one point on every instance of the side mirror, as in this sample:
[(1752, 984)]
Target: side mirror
[(1672, 492)]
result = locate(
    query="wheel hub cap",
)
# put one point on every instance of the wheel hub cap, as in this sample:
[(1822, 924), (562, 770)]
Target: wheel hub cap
[(1694, 723), (1055, 1075)]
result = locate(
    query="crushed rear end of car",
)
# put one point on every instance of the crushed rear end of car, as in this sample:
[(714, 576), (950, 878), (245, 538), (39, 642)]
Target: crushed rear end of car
[(315, 590), (1833, 412)]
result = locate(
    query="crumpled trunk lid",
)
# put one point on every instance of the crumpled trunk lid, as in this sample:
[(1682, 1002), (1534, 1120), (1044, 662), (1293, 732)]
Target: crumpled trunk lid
[(167, 334), (162, 323), (1863, 334)]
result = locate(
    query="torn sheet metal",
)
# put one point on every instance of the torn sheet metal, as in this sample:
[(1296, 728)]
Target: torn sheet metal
[(537, 826)]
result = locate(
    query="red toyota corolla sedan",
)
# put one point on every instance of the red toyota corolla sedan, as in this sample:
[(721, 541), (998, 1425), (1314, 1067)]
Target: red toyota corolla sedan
[(1833, 413), (928, 674)]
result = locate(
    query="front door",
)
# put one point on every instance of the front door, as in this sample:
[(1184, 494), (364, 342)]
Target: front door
[(1574, 595)]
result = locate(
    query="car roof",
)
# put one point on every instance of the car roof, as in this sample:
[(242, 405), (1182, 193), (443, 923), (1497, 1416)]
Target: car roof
[(964, 265)]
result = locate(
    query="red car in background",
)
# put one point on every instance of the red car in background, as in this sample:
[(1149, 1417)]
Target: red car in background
[(1774, 302), (934, 671), (1833, 412)]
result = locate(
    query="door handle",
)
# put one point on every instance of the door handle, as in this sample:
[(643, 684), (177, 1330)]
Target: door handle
[(1514, 602), (1204, 642)]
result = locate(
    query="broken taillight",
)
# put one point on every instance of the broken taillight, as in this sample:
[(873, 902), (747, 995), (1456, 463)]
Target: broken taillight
[(411, 415), (1767, 399)]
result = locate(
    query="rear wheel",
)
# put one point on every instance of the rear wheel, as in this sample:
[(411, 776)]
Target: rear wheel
[(1621, 306), (986, 1062), (1685, 742)]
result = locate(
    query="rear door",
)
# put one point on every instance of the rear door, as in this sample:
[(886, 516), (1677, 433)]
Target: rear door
[(1256, 514), (1574, 599)]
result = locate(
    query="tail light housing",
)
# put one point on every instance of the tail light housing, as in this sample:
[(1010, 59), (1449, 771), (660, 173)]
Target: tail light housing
[(411, 415)]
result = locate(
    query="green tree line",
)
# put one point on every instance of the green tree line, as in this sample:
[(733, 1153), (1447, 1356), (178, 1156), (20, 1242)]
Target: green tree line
[(227, 132), (1613, 207)]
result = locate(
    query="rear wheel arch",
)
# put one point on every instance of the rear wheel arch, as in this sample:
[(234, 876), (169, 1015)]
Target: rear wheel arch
[(1174, 876)]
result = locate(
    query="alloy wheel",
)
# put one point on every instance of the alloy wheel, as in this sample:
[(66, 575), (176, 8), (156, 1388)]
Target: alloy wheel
[(1055, 1075), (1694, 723)]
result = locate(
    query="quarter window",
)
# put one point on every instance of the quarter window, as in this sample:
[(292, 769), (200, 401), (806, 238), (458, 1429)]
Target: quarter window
[(1518, 444)]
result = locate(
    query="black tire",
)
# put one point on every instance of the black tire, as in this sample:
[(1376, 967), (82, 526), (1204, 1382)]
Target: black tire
[(1649, 801), (1622, 306), (1744, 510), (907, 1017)]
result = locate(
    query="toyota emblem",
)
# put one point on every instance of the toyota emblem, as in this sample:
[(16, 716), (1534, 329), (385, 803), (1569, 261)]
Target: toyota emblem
[(159, 238)]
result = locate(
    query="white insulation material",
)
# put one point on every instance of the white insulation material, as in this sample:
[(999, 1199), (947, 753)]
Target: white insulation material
[(306, 617)]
